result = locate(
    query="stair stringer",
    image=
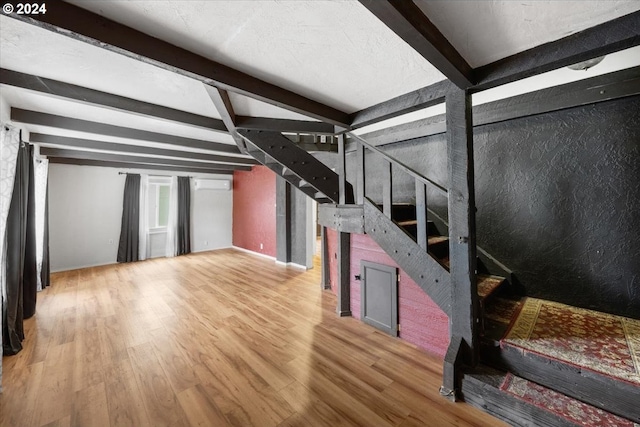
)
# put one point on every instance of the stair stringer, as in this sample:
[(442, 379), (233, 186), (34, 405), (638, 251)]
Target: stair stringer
[(295, 165), (428, 273)]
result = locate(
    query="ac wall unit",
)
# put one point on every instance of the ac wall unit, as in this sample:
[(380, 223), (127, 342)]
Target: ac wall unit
[(213, 184)]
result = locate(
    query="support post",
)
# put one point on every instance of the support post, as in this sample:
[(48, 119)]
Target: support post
[(342, 171), (464, 319), (325, 279), (344, 267), (283, 220), (421, 214), (387, 188), (360, 152)]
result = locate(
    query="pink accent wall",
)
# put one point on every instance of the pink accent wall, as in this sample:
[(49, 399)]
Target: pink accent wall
[(254, 210), (422, 322)]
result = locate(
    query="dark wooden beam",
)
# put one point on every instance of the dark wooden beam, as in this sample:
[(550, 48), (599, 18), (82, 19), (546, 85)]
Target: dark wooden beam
[(51, 120), (65, 141), (284, 125), (83, 94), (222, 102), (325, 278), (418, 99), (283, 220), (601, 88), (80, 24), (93, 155), (408, 21), (464, 314), (606, 87), (125, 165), (344, 269), (341, 170), (603, 39)]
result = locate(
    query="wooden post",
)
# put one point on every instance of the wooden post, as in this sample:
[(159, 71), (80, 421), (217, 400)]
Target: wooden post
[(344, 268), (387, 188), (342, 171), (421, 214), (325, 280), (360, 152), (464, 320), (283, 220)]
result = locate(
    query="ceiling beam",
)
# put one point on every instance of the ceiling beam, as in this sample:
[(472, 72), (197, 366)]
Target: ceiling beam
[(418, 99), (124, 165), (40, 138), (408, 21), (80, 24), (222, 102), (284, 125), (603, 39), (79, 93), (51, 120), (94, 155)]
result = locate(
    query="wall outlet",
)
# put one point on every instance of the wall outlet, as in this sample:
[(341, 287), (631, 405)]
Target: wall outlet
[(261, 246), (206, 242), (111, 241)]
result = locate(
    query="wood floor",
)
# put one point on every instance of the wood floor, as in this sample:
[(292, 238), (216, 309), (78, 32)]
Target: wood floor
[(213, 339)]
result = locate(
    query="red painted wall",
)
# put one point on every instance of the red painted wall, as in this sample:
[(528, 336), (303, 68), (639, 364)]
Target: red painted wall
[(422, 322), (254, 210)]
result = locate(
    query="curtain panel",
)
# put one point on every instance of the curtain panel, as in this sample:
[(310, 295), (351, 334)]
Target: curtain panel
[(171, 248), (9, 145), (128, 246), (184, 216), (143, 232), (20, 261)]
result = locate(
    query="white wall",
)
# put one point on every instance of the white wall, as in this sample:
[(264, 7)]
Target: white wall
[(5, 110), (85, 211), (211, 218)]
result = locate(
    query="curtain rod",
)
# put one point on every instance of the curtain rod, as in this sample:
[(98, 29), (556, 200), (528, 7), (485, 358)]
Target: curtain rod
[(163, 176)]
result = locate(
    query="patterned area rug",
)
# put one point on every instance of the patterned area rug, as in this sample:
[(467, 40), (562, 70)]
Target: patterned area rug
[(601, 342), (564, 406)]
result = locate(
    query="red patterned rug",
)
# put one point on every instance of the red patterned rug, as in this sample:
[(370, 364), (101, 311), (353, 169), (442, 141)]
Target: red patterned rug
[(600, 342), (559, 404)]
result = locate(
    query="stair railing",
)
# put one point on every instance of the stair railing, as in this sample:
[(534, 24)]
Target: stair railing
[(389, 163)]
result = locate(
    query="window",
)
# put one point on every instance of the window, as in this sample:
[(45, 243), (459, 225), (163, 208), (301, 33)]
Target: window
[(159, 191)]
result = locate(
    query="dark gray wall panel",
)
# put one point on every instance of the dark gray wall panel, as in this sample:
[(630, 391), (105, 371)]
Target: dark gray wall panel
[(559, 202)]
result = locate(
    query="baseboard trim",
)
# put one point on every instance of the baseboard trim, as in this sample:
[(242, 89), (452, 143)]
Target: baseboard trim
[(254, 253), (292, 264)]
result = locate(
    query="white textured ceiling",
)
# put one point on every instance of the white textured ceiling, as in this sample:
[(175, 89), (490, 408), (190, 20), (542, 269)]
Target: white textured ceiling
[(335, 52), (486, 31)]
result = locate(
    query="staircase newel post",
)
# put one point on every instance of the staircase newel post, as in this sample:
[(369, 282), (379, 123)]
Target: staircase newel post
[(344, 239), (360, 152), (464, 319)]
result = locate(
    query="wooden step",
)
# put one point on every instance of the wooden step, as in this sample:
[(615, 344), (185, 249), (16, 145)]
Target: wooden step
[(582, 353), (521, 402), (487, 285)]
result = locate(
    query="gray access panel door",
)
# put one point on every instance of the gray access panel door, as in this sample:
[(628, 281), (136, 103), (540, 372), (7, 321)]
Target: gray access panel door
[(379, 293)]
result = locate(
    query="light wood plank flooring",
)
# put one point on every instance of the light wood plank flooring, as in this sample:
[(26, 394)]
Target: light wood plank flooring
[(213, 339)]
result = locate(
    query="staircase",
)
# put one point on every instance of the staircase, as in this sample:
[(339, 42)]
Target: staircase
[(522, 387)]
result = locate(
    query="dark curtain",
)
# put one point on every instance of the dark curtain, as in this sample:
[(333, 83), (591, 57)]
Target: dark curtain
[(45, 272), (21, 269), (184, 215), (128, 246)]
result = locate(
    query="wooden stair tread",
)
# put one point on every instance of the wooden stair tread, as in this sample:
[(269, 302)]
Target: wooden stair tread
[(487, 284), (432, 240), (514, 399), (408, 222)]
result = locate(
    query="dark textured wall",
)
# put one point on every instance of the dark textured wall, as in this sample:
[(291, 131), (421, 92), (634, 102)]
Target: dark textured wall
[(558, 198)]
